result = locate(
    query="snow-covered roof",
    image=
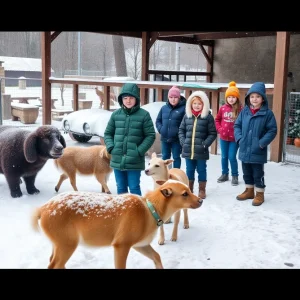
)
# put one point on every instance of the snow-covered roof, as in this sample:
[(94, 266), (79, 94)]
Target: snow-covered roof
[(22, 64)]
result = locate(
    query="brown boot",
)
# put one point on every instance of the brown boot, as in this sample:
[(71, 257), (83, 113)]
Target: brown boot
[(247, 194), (259, 197), (191, 185), (202, 189)]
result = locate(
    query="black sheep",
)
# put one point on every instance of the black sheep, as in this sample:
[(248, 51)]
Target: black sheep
[(23, 153)]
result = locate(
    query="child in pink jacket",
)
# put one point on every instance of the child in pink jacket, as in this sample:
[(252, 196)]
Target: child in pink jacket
[(224, 120)]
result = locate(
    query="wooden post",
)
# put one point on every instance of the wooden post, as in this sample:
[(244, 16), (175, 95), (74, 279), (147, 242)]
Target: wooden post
[(75, 97), (279, 96), (215, 99), (46, 73), (144, 93)]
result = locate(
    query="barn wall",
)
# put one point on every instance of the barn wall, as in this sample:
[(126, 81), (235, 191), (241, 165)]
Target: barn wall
[(26, 74), (247, 60)]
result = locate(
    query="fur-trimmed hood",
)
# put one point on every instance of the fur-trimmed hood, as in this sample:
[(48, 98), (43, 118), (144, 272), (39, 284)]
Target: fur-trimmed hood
[(206, 105)]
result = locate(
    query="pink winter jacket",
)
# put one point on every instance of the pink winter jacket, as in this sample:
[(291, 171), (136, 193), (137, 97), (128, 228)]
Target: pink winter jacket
[(225, 122)]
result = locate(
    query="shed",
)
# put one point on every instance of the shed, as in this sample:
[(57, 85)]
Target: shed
[(16, 67)]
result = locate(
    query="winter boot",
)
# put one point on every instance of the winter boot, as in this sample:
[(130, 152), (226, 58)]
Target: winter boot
[(247, 194), (234, 180), (223, 178), (191, 185), (202, 189), (259, 197)]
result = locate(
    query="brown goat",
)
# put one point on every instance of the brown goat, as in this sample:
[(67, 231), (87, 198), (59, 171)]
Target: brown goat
[(112, 97), (92, 160)]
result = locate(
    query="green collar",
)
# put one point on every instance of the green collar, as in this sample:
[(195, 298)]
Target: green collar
[(154, 213)]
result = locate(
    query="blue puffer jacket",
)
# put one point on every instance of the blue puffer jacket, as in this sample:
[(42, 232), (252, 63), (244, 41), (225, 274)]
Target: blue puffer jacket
[(255, 132), (168, 120)]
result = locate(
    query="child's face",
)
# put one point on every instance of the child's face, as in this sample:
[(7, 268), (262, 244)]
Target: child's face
[(197, 105), (129, 101), (231, 100), (256, 100), (173, 100)]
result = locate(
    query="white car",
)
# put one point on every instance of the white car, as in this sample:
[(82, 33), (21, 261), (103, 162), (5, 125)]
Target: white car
[(83, 124)]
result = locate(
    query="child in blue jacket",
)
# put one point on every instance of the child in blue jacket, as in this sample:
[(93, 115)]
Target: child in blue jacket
[(254, 129), (167, 124)]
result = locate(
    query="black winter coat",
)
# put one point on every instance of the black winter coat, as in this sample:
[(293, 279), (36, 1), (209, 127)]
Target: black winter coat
[(196, 134)]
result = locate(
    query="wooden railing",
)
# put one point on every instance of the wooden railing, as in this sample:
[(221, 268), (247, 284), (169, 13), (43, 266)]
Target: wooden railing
[(213, 91)]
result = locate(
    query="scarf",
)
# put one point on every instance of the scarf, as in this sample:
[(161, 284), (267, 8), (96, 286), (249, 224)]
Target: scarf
[(196, 113)]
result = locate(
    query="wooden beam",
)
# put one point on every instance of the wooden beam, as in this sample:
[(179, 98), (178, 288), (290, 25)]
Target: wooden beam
[(180, 39), (144, 93), (46, 73), (279, 96), (204, 53), (153, 38), (135, 34), (231, 35), (210, 67), (177, 33), (54, 35)]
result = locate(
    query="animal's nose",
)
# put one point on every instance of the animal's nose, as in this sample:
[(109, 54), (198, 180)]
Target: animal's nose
[(58, 147), (146, 171), (200, 201)]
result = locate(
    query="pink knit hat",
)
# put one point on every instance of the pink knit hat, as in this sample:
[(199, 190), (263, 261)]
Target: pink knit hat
[(174, 92)]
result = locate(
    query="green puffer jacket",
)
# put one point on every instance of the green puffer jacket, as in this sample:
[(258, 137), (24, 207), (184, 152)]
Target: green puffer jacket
[(129, 133)]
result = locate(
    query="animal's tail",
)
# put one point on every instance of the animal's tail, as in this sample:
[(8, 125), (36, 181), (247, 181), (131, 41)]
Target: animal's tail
[(36, 215)]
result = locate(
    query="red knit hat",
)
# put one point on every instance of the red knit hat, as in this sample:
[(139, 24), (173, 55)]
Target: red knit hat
[(174, 92), (232, 90)]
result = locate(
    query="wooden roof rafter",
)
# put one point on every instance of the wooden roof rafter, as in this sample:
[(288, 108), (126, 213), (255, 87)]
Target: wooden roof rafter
[(54, 35)]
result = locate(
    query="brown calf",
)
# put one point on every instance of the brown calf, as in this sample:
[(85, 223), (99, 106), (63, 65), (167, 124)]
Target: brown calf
[(92, 160)]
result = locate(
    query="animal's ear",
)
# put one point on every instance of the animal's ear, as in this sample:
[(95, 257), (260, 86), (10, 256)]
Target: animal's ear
[(62, 141), (166, 192), (160, 182), (30, 148), (168, 161), (153, 155)]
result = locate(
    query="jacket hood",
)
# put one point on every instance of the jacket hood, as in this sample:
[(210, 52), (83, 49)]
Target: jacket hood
[(132, 90), (259, 88), (206, 105)]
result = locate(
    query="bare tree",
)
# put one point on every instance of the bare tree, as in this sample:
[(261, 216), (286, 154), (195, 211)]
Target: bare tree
[(134, 52), (157, 53), (63, 56), (119, 53)]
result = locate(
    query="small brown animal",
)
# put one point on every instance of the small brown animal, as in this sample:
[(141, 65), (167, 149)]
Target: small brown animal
[(112, 97), (123, 221), (158, 169), (92, 160)]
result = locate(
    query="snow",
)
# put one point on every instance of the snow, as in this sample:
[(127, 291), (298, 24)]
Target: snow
[(223, 233)]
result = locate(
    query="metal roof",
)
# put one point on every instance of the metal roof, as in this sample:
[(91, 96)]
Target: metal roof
[(22, 64)]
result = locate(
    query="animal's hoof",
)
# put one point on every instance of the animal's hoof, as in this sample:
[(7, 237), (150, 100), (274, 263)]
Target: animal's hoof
[(186, 226), (33, 191), (109, 192), (56, 189), (16, 194), (161, 242)]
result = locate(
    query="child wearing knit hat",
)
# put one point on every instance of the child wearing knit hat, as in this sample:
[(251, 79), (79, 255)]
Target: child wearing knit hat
[(225, 119), (167, 124)]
